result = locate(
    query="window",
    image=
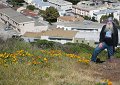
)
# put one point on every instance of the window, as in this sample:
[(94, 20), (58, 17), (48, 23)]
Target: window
[(23, 24)]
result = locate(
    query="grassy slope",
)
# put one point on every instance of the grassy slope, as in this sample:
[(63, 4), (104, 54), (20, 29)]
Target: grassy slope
[(57, 71)]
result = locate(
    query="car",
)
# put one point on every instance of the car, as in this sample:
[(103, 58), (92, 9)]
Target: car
[(7, 28)]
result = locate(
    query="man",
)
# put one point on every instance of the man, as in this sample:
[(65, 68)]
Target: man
[(108, 40)]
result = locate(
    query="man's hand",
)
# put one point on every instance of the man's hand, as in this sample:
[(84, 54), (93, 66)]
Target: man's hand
[(100, 45)]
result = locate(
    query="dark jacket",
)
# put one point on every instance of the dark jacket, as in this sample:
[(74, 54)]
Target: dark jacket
[(114, 39)]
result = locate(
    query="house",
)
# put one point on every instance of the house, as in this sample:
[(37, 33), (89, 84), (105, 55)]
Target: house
[(28, 1), (88, 30), (99, 14), (87, 8), (57, 35), (40, 4), (16, 20), (62, 4), (91, 38), (83, 26), (44, 5), (69, 18), (20, 22), (30, 13), (116, 6)]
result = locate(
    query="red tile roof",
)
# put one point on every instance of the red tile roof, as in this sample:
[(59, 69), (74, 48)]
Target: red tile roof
[(29, 13)]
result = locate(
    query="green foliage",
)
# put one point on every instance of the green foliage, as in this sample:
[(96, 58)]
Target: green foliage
[(116, 22), (16, 2), (42, 13), (93, 19), (12, 45), (103, 18), (45, 0), (86, 17), (74, 2), (77, 48), (44, 44), (117, 53), (31, 7), (51, 14)]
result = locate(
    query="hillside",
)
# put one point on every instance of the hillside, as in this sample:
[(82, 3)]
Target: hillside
[(49, 63)]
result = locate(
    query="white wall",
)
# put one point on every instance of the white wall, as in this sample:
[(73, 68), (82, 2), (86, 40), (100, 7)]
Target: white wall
[(28, 1), (117, 15), (26, 27), (66, 7), (40, 28), (60, 41), (92, 11)]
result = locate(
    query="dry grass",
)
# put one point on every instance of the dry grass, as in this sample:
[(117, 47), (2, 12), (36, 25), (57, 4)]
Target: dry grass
[(65, 72)]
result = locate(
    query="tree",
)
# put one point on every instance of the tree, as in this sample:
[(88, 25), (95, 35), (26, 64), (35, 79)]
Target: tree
[(116, 22), (103, 18), (93, 19), (74, 2), (31, 7), (45, 0), (15, 2), (51, 14), (86, 17)]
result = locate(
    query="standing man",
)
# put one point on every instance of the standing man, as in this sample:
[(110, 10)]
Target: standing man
[(108, 40)]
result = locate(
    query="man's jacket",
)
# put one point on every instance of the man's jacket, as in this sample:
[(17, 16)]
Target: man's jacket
[(114, 40)]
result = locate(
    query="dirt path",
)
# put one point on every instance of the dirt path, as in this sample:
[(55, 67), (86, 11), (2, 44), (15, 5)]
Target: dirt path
[(108, 70)]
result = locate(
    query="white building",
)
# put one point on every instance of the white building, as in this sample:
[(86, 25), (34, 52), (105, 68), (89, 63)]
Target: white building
[(40, 4), (69, 19), (28, 1), (87, 8), (16, 20), (20, 22), (88, 30), (44, 5), (82, 26), (56, 35), (99, 14), (62, 4)]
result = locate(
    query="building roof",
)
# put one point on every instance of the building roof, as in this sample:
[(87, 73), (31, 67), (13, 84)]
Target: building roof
[(41, 3), (27, 12), (16, 16), (3, 6), (80, 25), (89, 5), (71, 18), (88, 36), (86, 8), (60, 2), (105, 11), (38, 23), (57, 32)]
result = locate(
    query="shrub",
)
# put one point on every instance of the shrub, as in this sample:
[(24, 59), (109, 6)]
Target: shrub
[(44, 44)]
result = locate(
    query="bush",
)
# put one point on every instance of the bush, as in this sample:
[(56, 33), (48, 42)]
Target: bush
[(77, 48), (44, 44), (117, 53), (31, 7)]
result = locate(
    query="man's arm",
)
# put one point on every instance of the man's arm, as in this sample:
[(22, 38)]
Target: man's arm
[(101, 39), (116, 36)]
